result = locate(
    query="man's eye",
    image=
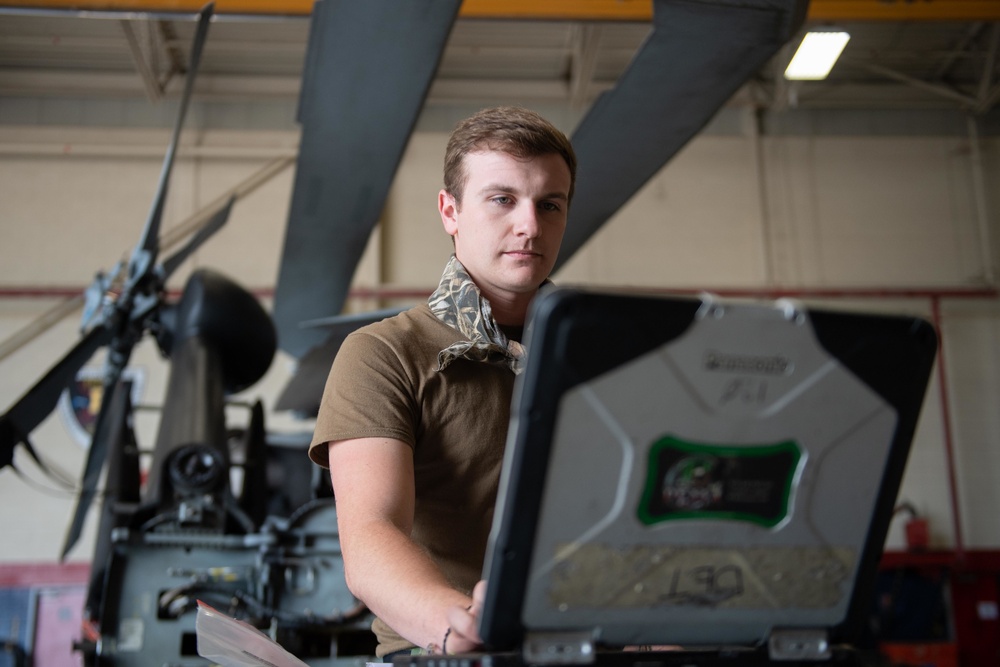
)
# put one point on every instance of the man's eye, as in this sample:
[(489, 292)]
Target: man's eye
[(501, 199), (549, 206)]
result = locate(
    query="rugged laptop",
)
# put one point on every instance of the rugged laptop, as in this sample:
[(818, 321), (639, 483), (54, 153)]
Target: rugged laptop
[(679, 472)]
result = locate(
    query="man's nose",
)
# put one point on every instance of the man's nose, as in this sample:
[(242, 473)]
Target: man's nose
[(526, 221)]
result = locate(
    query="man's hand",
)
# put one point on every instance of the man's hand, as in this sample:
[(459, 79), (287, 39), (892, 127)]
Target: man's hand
[(464, 633)]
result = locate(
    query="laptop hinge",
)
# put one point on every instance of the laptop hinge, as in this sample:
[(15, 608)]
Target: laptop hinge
[(799, 644), (558, 648)]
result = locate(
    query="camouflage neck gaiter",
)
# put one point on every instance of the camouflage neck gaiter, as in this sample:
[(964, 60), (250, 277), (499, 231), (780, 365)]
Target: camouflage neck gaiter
[(458, 303)]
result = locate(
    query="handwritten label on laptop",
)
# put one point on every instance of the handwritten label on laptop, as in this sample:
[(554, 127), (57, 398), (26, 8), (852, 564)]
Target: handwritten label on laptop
[(601, 576), (687, 480)]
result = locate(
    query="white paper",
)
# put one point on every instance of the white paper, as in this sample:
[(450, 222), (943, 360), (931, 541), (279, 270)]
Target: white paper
[(232, 643)]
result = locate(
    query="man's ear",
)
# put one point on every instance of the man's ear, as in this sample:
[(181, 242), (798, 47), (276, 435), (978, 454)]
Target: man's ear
[(448, 208)]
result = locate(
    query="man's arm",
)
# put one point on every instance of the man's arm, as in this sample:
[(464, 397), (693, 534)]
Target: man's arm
[(374, 489)]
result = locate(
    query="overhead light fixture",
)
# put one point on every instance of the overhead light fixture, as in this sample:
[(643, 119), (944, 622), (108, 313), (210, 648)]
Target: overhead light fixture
[(816, 55)]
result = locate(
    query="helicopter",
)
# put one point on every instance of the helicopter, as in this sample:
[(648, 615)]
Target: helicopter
[(269, 553)]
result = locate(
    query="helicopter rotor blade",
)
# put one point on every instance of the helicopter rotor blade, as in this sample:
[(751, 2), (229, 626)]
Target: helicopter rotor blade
[(211, 226), (361, 57), (104, 429), (39, 401), (633, 130), (145, 253), (122, 485)]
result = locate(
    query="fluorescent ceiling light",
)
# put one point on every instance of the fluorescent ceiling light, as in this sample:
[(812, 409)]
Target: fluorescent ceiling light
[(816, 55)]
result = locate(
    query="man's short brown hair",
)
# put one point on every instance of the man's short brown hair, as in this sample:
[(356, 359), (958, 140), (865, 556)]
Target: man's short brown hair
[(516, 131)]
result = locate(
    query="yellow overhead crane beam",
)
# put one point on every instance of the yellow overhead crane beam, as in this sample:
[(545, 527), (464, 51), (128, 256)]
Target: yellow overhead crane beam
[(567, 10)]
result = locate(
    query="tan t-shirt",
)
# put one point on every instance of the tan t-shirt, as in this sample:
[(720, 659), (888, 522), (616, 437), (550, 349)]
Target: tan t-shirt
[(383, 383)]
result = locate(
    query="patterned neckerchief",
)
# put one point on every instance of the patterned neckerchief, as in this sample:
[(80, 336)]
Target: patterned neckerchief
[(458, 303)]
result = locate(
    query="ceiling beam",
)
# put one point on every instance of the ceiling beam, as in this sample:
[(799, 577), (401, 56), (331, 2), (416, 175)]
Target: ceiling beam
[(584, 63), (144, 47), (904, 10), (576, 10), (968, 101)]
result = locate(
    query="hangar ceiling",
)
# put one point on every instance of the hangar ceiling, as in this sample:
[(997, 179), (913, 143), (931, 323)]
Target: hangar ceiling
[(903, 54)]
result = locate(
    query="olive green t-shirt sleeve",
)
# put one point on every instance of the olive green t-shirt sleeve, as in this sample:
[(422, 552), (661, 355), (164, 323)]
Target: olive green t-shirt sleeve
[(368, 394)]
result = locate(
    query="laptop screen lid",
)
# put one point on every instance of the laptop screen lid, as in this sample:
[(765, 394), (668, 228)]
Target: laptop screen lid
[(687, 471)]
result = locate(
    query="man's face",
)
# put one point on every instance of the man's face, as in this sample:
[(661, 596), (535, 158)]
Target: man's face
[(510, 222)]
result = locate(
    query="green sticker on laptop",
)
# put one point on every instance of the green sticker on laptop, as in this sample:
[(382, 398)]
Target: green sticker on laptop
[(689, 480)]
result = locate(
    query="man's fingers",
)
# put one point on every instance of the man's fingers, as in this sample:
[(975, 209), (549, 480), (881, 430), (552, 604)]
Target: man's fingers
[(463, 625), (479, 597), (464, 635)]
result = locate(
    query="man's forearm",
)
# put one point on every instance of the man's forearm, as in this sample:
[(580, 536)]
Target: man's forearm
[(399, 582)]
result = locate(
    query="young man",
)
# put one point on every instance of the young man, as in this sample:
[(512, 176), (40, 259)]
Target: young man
[(414, 416)]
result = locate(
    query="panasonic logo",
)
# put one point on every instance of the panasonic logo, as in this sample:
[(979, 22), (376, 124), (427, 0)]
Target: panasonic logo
[(744, 363)]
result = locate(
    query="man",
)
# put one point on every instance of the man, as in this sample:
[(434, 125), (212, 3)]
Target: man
[(414, 416)]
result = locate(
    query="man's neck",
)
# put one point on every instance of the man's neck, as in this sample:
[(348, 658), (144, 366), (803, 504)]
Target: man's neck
[(510, 312)]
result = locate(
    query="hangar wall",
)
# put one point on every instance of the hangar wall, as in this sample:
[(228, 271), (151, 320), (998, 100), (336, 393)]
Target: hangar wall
[(893, 221)]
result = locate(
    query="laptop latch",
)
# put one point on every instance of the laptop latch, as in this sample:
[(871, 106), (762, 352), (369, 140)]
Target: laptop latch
[(799, 644), (558, 648)]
